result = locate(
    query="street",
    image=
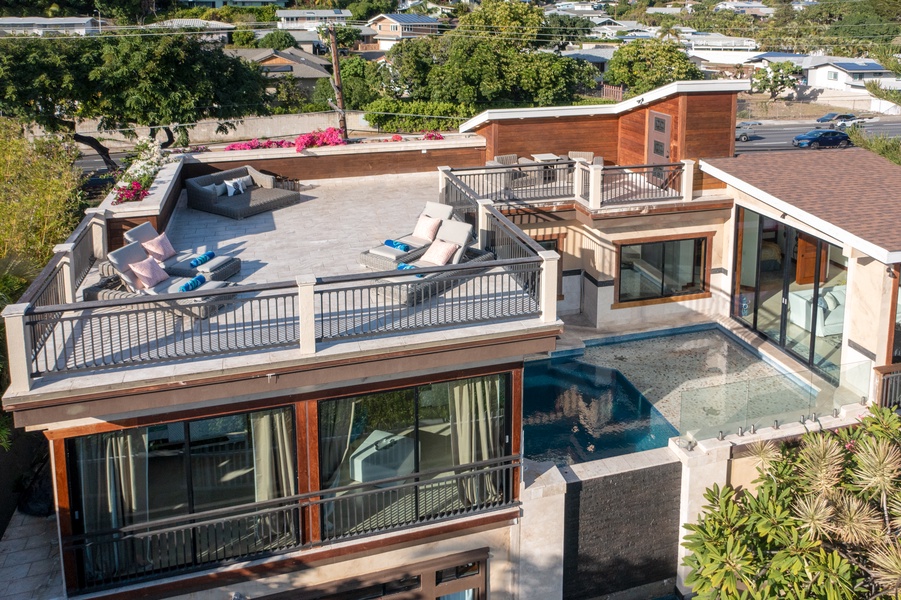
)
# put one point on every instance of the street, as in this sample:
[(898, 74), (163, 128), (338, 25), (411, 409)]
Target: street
[(774, 136)]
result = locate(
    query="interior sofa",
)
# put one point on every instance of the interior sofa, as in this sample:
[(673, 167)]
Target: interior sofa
[(262, 196), (831, 313)]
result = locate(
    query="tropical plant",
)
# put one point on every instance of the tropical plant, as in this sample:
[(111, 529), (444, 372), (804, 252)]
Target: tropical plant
[(823, 521), (643, 65), (330, 136), (776, 78), (277, 40)]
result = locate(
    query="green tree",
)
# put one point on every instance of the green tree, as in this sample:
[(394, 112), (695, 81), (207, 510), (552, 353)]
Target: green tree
[(363, 10), (244, 38), (776, 78), (345, 35), (643, 65), (506, 24), (277, 40), (560, 30), (888, 58), (359, 82), (823, 522)]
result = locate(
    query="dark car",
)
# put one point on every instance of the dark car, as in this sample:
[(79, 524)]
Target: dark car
[(822, 138), (827, 118)]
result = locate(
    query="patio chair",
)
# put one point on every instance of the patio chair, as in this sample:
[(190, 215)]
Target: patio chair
[(209, 193), (508, 160), (385, 258), (131, 286), (219, 268), (586, 156)]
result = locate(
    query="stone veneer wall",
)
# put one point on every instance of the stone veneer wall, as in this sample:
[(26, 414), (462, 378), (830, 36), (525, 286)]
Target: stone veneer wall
[(621, 531)]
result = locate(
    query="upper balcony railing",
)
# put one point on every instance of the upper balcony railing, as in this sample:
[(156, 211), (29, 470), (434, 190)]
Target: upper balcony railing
[(595, 185), (51, 332)]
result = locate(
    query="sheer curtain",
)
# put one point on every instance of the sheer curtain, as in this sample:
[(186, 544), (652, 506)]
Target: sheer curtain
[(477, 433), (336, 418), (113, 485), (273, 454)]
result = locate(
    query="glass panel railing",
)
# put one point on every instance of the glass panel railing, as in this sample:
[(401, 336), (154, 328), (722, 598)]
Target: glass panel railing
[(744, 406)]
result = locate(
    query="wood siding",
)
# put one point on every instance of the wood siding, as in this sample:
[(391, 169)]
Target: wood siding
[(349, 165), (596, 134), (709, 126), (706, 181), (632, 138)]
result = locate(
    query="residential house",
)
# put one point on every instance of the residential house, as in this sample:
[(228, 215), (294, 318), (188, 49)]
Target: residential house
[(323, 431), (50, 26), (311, 19), (746, 7), (393, 28), (214, 31), (620, 30), (221, 3), (304, 67), (596, 57), (847, 74)]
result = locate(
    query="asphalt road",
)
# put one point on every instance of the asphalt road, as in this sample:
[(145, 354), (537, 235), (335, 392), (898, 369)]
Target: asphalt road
[(779, 137)]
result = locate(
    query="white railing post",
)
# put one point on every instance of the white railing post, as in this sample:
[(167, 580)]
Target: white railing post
[(442, 184), (66, 264), (306, 313), (98, 231), (688, 179), (483, 222), (595, 186), (550, 263), (578, 176), (18, 347)]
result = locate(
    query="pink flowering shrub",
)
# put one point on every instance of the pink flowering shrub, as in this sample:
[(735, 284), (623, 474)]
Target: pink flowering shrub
[(256, 144), (397, 138), (131, 192), (432, 135), (321, 137)]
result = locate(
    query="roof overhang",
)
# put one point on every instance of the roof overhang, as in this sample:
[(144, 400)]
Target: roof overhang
[(678, 87), (830, 229)]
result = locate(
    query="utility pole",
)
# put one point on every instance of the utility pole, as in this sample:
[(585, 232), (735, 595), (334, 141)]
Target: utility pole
[(336, 83)]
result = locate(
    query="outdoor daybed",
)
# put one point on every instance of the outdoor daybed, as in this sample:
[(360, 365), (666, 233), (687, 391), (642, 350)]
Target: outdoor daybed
[(209, 193)]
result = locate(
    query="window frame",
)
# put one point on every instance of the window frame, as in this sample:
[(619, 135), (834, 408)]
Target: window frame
[(705, 278)]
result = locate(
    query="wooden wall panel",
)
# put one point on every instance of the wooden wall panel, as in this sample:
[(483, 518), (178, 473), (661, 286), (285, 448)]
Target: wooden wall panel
[(706, 181), (710, 125), (116, 228), (632, 138), (525, 137), (349, 165), (489, 132)]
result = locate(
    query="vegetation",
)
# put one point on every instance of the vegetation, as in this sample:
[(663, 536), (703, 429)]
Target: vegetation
[(560, 30), (776, 79), (363, 10), (391, 114), (643, 65), (823, 523), (41, 203), (167, 81), (277, 40), (882, 144)]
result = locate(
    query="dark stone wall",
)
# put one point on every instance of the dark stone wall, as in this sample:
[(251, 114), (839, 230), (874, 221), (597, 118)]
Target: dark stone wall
[(621, 531)]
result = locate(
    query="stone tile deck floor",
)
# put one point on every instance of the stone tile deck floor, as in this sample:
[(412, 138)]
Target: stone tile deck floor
[(29, 560)]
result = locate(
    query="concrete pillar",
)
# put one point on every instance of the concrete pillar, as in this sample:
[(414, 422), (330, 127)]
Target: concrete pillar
[(595, 186), (703, 466), (548, 295), (98, 231), (18, 347), (306, 313), (442, 183), (66, 271), (579, 175), (543, 496), (482, 223), (688, 179)]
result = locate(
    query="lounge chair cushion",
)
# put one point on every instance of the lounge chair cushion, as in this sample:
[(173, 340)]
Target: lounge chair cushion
[(234, 187), (440, 253), (437, 210), (426, 228), (123, 258), (149, 272), (159, 248), (456, 232)]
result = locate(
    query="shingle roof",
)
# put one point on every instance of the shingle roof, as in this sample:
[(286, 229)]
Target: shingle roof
[(853, 191)]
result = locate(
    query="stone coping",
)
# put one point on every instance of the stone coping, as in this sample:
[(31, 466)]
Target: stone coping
[(166, 179), (468, 141)]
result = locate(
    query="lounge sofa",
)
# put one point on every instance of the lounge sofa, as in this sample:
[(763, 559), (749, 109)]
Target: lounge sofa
[(262, 196), (830, 315)]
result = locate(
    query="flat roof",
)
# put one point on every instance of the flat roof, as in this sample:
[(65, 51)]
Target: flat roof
[(848, 194)]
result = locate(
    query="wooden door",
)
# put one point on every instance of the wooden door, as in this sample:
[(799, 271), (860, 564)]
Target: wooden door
[(806, 264)]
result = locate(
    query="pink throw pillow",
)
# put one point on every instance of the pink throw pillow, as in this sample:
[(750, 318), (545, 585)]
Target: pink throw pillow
[(159, 248), (439, 253), (149, 272), (426, 228)]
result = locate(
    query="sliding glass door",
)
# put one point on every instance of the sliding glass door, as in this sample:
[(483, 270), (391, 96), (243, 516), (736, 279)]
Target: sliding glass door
[(789, 286)]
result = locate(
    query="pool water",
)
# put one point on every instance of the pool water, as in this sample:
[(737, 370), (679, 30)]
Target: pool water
[(575, 412)]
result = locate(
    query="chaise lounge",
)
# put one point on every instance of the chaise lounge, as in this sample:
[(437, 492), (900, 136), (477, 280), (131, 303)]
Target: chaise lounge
[(385, 258), (209, 193), (219, 268)]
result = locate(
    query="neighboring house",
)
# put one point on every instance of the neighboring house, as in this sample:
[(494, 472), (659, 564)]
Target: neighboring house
[(596, 57), (703, 41), (393, 28), (221, 3), (304, 67), (311, 19), (321, 431), (847, 74), (662, 10), (49, 26), (756, 9), (217, 30), (622, 30)]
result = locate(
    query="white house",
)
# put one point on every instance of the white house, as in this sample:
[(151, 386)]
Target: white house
[(848, 74), (311, 19), (43, 26)]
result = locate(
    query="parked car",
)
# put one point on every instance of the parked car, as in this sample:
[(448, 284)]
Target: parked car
[(844, 123), (743, 134), (822, 138), (744, 124), (827, 117)]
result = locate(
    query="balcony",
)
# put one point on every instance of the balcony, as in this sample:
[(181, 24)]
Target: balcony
[(300, 289)]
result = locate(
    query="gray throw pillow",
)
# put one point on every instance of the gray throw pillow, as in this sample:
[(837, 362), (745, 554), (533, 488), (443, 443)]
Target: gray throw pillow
[(221, 189), (246, 181), (210, 188)]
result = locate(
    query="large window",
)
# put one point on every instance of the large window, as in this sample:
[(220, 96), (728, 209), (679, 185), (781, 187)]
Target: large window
[(662, 269), (128, 477), (413, 446)]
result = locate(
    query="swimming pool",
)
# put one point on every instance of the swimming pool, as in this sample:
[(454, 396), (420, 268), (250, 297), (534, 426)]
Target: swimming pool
[(575, 412)]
